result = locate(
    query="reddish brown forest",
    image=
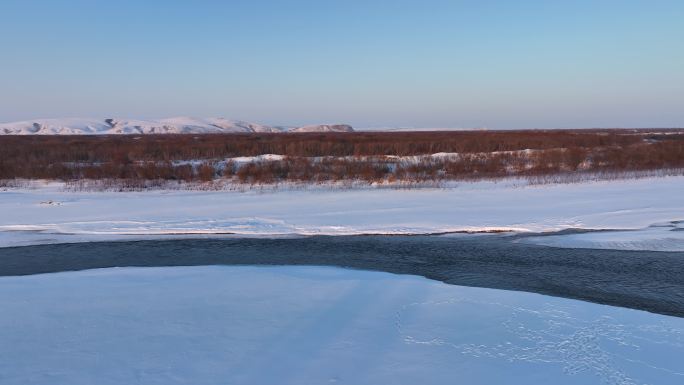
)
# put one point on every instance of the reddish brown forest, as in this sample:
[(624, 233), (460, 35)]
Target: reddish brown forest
[(340, 156)]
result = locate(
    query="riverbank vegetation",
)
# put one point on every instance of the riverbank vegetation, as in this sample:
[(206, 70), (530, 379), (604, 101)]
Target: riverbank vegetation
[(367, 157)]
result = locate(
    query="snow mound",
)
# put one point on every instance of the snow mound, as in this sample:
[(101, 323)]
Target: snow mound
[(176, 125), (659, 237)]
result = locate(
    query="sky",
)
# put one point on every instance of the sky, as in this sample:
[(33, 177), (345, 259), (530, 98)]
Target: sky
[(471, 63)]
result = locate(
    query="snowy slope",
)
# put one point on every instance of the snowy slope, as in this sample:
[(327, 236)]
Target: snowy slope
[(177, 125), (313, 325)]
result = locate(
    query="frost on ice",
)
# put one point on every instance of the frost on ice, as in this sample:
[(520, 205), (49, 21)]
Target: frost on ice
[(312, 325)]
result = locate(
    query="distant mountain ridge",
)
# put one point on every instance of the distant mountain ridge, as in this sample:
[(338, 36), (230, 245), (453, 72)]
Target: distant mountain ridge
[(177, 125), (324, 128)]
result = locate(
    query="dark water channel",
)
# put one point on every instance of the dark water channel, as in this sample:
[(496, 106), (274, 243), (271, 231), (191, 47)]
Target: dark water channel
[(652, 281)]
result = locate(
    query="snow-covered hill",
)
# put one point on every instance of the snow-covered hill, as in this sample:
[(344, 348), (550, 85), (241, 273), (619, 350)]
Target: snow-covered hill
[(178, 125), (324, 128)]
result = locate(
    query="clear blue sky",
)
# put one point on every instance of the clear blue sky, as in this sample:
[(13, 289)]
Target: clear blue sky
[(499, 64)]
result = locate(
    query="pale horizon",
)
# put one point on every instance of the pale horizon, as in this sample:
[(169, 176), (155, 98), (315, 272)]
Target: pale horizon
[(528, 64)]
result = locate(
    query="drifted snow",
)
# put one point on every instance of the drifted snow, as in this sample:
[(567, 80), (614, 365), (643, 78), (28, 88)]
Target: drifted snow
[(178, 125), (312, 325), (658, 237), (48, 214)]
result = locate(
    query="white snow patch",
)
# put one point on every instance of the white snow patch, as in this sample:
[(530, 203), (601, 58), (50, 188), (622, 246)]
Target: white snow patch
[(257, 158)]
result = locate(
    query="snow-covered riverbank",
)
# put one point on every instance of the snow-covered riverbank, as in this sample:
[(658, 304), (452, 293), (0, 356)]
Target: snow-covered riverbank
[(48, 214)]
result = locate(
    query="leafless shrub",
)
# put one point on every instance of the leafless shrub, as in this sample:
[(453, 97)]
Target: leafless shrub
[(120, 162)]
